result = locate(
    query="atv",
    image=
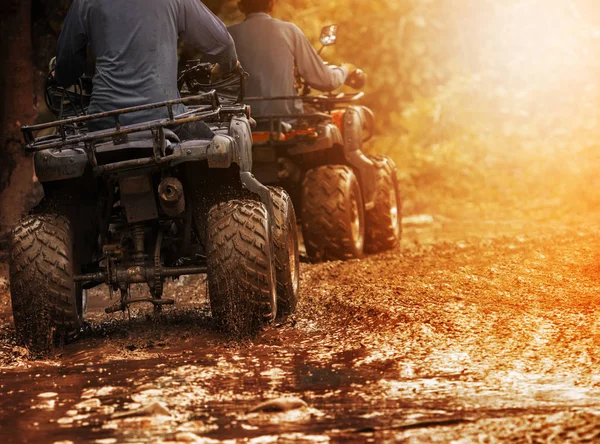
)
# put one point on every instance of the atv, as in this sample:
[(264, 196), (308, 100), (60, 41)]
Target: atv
[(349, 202), (135, 204)]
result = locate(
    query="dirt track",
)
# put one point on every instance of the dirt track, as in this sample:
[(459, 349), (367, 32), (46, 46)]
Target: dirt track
[(490, 336)]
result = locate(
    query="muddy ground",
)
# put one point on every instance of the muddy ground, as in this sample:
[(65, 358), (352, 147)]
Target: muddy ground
[(473, 331)]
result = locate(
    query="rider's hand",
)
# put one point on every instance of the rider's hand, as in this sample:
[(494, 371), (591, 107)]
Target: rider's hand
[(356, 79), (350, 67), (216, 73), (52, 66)]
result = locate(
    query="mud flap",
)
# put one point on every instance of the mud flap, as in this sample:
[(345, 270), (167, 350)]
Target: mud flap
[(137, 198), (221, 151), (251, 184), (353, 123), (241, 132)]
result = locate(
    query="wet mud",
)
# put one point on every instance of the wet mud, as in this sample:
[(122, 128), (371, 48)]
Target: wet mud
[(472, 332)]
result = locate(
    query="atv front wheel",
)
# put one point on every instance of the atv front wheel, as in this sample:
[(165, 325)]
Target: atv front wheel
[(287, 259), (384, 221), (333, 222), (241, 271), (47, 303)]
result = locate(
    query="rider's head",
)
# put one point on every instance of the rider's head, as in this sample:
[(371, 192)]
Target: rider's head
[(253, 6)]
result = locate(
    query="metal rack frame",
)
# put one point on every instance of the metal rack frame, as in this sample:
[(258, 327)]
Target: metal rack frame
[(119, 134)]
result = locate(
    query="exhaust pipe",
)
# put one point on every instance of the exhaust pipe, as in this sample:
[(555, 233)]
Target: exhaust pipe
[(170, 196)]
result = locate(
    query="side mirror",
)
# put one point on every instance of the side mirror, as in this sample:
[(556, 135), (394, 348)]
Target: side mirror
[(329, 35)]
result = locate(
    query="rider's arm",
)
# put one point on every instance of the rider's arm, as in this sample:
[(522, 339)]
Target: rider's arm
[(202, 29), (71, 51), (311, 67)]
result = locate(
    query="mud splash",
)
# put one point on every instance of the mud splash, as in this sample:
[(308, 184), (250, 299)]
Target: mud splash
[(488, 337)]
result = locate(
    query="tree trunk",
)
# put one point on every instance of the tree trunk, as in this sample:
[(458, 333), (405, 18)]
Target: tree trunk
[(16, 109)]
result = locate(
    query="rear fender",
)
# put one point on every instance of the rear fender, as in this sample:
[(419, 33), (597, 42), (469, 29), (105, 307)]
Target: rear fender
[(251, 184), (233, 148), (241, 131), (54, 164), (352, 128), (328, 136), (353, 124)]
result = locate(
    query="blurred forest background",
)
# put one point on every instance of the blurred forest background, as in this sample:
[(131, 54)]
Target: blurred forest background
[(489, 108)]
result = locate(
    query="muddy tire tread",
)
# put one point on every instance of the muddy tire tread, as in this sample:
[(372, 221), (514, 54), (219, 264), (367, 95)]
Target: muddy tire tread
[(240, 274), (326, 232), (379, 232), (283, 209), (41, 273)]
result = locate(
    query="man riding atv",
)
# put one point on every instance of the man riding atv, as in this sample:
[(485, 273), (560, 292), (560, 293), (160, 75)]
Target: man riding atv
[(270, 50), (127, 200), (348, 202), (135, 48)]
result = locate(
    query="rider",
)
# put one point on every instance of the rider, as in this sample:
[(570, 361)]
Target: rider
[(135, 45), (270, 49)]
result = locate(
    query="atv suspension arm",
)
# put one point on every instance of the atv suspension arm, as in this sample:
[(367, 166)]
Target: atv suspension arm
[(137, 274)]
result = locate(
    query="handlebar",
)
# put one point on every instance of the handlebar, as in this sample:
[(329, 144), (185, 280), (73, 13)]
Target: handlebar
[(196, 78)]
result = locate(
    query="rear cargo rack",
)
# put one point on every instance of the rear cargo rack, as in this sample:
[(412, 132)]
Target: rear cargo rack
[(325, 103), (276, 120), (71, 135), (338, 99), (118, 133)]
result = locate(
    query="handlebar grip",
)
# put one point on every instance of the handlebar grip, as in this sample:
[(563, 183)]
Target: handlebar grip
[(357, 79)]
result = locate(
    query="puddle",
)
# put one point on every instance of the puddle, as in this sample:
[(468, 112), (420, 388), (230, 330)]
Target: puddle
[(442, 337)]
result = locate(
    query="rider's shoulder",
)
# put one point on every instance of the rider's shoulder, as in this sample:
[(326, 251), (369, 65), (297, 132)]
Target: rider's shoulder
[(289, 26), (234, 26)]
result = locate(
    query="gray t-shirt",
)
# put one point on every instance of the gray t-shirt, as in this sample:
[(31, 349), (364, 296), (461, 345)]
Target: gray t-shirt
[(135, 44), (269, 49)]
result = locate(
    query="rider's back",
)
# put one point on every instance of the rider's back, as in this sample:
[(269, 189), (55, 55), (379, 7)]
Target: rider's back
[(265, 48), (135, 45), (269, 49)]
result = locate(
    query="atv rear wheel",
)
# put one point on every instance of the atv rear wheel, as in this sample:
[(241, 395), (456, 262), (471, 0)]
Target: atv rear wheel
[(287, 258), (47, 303), (384, 221), (241, 270), (333, 222)]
